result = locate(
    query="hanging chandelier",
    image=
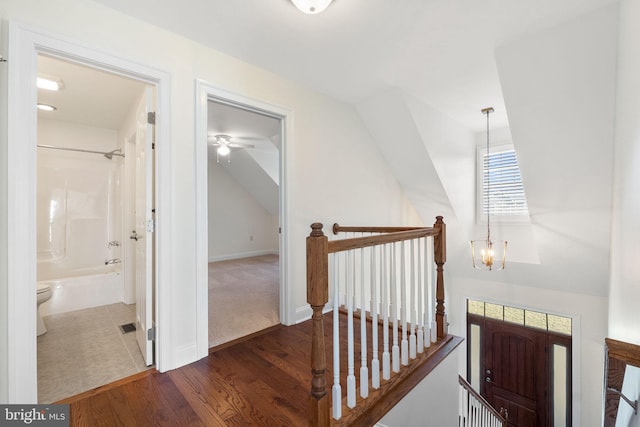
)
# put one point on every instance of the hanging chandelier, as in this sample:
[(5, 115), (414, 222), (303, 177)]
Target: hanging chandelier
[(486, 253)]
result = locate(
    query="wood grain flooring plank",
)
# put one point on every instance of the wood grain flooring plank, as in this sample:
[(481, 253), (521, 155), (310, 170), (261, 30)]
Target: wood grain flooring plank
[(263, 381), (204, 395)]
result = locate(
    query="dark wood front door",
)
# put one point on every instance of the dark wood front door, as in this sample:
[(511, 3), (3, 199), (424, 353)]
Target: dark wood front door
[(516, 372)]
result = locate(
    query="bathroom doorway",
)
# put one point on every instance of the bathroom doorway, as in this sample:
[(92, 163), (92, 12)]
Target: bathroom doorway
[(95, 226), (243, 193)]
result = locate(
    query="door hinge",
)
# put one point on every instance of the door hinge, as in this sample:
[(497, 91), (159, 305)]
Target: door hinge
[(151, 334), (151, 226), (151, 117)]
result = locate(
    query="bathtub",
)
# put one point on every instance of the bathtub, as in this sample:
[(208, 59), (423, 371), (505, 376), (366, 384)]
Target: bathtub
[(95, 288)]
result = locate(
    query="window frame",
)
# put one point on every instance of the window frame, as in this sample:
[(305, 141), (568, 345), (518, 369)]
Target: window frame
[(481, 218)]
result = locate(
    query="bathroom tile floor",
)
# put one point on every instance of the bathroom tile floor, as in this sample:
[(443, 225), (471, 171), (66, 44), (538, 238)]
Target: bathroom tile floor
[(85, 349)]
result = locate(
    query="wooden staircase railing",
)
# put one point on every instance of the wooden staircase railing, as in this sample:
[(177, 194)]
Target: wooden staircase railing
[(475, 411), (413, 306)]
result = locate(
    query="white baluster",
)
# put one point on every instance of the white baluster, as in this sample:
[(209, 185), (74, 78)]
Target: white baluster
[(351, 378), (419, 301), (386, 357), (427, 300), (375, 363), (395, 350), (364, 370), (336, 391), (432, 291), (412, 305), (403, 308)]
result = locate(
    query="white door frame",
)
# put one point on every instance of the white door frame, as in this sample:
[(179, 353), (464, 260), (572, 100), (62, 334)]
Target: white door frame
[(205, 92), (25, 43)]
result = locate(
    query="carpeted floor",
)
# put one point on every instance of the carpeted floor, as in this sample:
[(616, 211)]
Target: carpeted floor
[(243, 297)]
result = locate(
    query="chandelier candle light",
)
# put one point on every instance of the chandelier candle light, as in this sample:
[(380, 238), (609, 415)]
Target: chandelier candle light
[(487, 254)]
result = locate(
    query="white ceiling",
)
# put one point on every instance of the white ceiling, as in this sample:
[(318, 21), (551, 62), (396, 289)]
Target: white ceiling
[(89, 96), (439, 51)]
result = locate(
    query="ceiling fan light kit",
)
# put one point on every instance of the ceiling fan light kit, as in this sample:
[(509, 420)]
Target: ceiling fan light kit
[(224, 145), (311, 7)]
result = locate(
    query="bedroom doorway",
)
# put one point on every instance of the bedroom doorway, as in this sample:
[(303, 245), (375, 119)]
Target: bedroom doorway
[(243, 218)]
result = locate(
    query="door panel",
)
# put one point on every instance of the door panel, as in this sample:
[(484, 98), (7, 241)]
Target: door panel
[(515, 370), (143, 232)]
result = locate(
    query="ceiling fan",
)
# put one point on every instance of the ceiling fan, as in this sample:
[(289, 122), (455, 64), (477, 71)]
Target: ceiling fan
[(225, 144)]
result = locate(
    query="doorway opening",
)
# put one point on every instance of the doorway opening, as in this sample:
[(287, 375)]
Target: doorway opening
[(94, 216), (243, 219), (520, 360)]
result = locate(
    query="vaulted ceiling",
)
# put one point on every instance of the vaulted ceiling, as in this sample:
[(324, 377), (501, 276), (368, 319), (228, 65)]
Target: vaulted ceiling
[(420, 71)]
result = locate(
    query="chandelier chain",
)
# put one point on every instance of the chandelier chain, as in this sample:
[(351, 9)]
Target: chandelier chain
[(487, 169)]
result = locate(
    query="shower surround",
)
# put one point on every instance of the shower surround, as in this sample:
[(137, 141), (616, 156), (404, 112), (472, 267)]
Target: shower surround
[(79, 216)]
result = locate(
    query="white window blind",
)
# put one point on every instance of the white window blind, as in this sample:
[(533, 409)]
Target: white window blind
[(501, 184)]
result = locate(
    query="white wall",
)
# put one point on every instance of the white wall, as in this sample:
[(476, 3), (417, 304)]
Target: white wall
[(433, 402), (624, 291), (353, 187), (559, 90), (238, 225), (4, 298)]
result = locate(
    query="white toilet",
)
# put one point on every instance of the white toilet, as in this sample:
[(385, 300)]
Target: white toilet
[(44, 293)]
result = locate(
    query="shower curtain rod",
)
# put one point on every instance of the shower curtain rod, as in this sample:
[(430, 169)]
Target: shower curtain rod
[(108, 154)]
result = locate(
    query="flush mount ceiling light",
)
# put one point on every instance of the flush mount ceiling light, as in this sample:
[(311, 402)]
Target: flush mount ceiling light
[(48, 84), (46, 107), (487, 254), (312, 7)]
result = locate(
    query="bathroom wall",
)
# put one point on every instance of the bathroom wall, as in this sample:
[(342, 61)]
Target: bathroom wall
[(78, 200)]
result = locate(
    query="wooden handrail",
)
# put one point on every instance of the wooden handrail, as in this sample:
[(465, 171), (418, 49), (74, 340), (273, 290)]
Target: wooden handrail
[(380, 239), (318, 249), (482, 400), (337, 228)]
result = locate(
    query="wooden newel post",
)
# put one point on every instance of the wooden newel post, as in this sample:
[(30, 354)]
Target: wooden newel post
[(440, 253), (317, 297)]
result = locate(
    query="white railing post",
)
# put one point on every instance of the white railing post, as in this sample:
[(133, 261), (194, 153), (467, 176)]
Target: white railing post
[(336, 390), (433, 329), (395, 350), (419, 303), (351, 378), (364, 370), (403, 307), (427, 301), (386, 357), (375, 363), (412, 305)]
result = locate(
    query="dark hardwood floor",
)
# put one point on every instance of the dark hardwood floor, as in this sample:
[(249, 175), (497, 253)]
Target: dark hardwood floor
[(260, 381)]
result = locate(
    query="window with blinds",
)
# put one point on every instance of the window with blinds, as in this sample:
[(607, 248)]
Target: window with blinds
[(500, 188)]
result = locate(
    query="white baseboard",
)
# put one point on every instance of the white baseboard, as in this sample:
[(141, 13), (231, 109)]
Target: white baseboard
[(241, 255), (304, 313)]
